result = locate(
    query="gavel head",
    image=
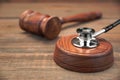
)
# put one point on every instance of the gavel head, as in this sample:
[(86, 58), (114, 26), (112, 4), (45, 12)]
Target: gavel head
[(40, 24)]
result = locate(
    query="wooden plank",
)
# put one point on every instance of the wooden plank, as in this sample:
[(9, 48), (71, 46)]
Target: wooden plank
[(41, 66), (60, 9), (25, 56), (59, 1), (13, 39), (12, 26)]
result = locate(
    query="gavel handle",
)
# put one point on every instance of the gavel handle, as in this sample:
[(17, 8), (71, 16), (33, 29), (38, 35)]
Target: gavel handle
[(82, 17)]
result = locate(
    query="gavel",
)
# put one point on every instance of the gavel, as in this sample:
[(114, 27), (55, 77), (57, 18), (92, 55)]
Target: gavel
[(50, 26)]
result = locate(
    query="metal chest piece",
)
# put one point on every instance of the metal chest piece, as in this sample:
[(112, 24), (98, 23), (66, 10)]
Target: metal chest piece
[(85, 38)]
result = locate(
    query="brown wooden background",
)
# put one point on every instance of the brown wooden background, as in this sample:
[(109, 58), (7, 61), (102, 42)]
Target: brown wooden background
[(59, 0), (25, 56)]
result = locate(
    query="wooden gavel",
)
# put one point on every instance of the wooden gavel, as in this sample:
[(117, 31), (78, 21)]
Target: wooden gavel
[(50, 26)]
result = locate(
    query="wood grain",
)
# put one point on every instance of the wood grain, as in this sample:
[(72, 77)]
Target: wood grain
[(58, 1), (83, 59), (24, 56), (62, 9)]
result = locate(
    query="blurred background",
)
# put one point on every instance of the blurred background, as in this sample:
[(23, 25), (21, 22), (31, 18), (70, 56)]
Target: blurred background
[(60, 1), (24, 56)]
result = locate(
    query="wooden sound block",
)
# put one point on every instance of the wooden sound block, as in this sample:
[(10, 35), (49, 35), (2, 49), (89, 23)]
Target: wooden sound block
[(78, 59)]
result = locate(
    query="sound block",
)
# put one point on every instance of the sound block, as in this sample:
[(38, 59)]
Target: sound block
[(78, 59)]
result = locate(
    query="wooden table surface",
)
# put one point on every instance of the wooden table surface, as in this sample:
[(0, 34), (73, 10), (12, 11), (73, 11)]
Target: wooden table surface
[(24, 56)]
